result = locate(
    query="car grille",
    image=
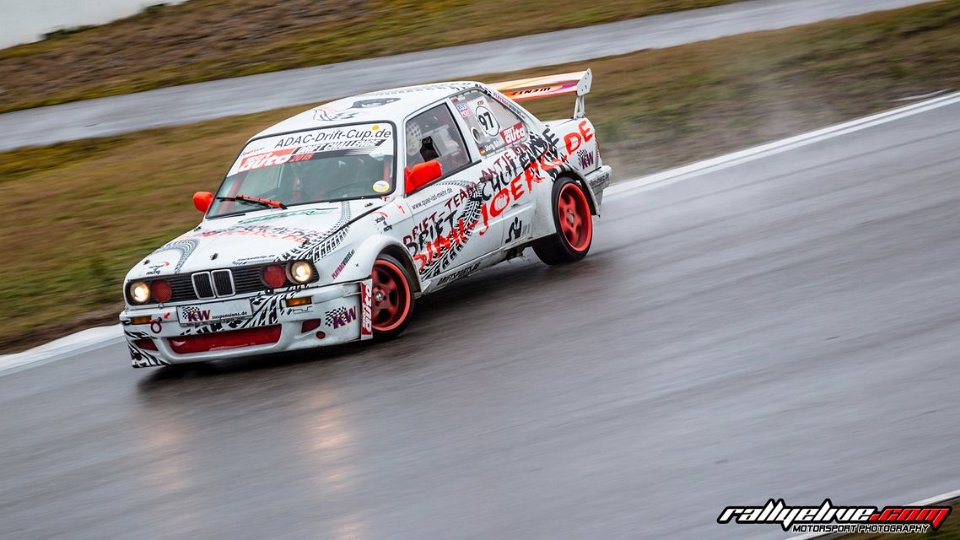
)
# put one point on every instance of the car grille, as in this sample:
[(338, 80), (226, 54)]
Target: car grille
[(216, 283), (182, 288), (202, 286), (223, 282), (220, 283), (247, 281)]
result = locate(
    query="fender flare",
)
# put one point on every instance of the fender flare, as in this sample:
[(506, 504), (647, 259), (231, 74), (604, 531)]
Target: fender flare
[(543, 216), (367, 253)]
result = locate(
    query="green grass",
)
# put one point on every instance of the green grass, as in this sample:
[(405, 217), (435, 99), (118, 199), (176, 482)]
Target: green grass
[(203, 40), (78, 215)]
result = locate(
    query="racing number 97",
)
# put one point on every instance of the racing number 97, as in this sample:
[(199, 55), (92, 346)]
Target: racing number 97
[(487, 121)]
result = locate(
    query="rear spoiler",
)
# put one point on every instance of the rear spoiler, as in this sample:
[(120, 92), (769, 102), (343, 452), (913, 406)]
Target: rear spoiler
[(548, 86)]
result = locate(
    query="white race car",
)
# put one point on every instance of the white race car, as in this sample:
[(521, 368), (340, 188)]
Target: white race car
[(330, 224)]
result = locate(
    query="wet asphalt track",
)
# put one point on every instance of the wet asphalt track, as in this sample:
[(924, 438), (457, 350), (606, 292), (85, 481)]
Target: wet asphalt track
[(785, 328), (241, 95)]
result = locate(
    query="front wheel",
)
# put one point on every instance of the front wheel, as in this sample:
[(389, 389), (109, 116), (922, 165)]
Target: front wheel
[(574, 223), (392, 297)]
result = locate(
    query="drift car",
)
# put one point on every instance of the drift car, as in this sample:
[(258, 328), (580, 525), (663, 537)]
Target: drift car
[(330, 224)]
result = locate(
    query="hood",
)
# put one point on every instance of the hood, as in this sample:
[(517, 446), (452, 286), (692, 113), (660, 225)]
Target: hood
[(307, 232)]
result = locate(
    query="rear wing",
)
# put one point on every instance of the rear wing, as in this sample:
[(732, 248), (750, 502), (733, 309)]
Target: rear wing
[(548, 86)]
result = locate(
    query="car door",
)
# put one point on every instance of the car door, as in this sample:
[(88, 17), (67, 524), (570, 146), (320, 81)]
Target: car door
[(502, 139), (449, 228)]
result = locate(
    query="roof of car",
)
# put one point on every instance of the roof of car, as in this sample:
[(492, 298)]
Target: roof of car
[(383, 105)]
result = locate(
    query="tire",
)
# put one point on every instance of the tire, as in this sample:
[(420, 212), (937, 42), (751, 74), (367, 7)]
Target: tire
[(392, 298), (574, 223)]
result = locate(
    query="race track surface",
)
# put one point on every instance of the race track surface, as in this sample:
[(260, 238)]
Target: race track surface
[(784, 328), (192, 103)]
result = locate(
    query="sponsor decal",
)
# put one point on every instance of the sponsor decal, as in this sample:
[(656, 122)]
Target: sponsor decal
[(266, 159), (516, 228), (302, 146), (262, 231), (528, 92), (829, 518), (366, 309), (381, 220), (342, 265), (340, 316), (194, 314), (328, 113), (463, 108), (513, 134), (155, 268), (585, 159), (463, 272), (252, 260), (430, 198), (253, 150), (574, 140), (375, 102), (219, 311), (423, 88), (600, 181), (381, 186), (361, 133), (270, 217), (350, 144)]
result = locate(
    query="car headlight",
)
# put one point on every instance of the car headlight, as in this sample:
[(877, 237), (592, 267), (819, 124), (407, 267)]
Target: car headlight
[(139, 292), (301, 271)]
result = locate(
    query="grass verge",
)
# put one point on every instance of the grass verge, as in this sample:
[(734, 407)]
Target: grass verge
[(79, 214), (204, 40)]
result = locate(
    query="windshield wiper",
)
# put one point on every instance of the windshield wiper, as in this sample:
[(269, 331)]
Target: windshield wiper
[(269, 203)]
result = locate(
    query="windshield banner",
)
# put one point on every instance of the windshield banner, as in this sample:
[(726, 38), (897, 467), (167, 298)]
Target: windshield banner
[(301, 146)]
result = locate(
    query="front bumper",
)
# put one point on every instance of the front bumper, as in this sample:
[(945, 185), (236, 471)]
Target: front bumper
[(335, 314)]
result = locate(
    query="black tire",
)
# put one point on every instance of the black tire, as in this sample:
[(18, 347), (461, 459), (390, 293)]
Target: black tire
[(574, 225), (392, 305)]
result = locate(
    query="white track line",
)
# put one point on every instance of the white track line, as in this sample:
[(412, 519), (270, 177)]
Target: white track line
[(932, 500), (89, 339), (96, 337)]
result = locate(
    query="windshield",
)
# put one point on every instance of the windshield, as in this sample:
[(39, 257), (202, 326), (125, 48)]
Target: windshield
[(318, 165)]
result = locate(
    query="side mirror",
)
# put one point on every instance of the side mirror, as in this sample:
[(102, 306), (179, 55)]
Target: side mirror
[(202, 200), (421, 174)]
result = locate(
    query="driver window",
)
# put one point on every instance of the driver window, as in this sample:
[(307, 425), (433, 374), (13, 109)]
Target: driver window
[(434, 134)]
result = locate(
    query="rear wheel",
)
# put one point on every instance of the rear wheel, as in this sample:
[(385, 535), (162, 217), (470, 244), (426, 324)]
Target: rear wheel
[(574, 222), (392, 297)]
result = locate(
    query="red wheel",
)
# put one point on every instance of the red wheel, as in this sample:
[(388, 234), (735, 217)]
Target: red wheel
[(573, 213), (574, 222), (392, 297)]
